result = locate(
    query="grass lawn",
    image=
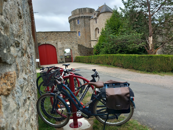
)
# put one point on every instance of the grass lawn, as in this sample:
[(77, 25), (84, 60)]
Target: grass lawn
[(130, 125), (43, 125)]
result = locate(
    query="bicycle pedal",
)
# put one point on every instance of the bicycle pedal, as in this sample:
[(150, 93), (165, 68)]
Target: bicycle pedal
[(78, 113)]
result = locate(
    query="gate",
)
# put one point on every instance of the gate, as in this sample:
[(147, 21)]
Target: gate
[(47, 54)]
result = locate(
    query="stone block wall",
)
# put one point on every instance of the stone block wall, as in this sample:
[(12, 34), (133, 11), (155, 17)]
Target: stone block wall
[(79, 21), (99, 25), (85, 51), (18, 92), (61, 41)]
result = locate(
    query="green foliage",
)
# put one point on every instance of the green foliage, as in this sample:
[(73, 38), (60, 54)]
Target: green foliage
[(41, 123), (119, 38), (111, 28), (160, 26), (126, 44), (99, 45), (149, 63), (130, 125), (114, 23)]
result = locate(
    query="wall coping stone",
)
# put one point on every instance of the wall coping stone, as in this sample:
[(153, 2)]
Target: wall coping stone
[(57, 32)]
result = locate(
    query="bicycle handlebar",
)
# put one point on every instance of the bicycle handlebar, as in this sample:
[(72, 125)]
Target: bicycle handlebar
[(47, 67), (95, 75)]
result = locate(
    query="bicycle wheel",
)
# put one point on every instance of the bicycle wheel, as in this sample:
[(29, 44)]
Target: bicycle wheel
[(56, 115), (77, 83), (44, 89), (38, 81), (113, 119)]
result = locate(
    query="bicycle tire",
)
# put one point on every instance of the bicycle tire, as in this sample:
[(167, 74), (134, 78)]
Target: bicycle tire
[(77, 83), (42, 89), (81, 90), (62, 95), (41, 92), (37, 81), (51, 116), (112, 117), (46, 89)]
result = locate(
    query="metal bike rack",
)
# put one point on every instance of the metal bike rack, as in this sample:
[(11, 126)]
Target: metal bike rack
[(75, 123)]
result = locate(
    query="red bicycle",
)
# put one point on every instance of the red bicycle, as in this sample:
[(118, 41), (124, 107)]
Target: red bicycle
[(45, 82)]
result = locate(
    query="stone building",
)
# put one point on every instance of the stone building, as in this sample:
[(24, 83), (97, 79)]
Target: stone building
[(80, 22), (18, 92), (88, 23), (97, 22), (85, 28), (57, 42)]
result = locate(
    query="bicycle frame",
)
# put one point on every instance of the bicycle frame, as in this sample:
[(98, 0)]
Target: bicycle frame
[(76, 102)]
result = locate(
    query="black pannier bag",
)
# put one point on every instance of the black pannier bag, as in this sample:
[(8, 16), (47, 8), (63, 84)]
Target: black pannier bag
[(117, 96)]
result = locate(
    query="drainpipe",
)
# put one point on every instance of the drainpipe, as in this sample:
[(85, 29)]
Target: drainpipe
[(33, 28)]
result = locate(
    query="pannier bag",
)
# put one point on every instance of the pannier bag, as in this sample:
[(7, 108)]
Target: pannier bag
[(117, 96)]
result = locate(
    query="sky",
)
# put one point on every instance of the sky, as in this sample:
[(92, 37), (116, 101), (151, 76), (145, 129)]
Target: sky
[(52, 15)]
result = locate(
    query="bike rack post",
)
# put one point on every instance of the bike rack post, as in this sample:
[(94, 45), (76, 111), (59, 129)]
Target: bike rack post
[(75, 123)]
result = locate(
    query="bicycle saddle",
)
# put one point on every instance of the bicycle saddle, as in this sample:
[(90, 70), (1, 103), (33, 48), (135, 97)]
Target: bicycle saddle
[(97, 84)]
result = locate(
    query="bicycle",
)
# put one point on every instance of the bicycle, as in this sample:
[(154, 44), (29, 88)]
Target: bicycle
[(60, 111), (48, 86), (84, 87)]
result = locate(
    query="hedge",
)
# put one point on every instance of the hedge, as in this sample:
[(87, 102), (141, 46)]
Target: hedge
[(150, 63)]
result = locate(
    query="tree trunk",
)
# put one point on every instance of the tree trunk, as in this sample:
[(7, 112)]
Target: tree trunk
[(150, 42), (150, 38)]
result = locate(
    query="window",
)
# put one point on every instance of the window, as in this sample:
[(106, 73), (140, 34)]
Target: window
[(78, 21), (78, 33), (96, 33), (96, 20)]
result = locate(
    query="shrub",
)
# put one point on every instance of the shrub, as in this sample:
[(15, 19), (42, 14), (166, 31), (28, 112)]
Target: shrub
[(150, 63)]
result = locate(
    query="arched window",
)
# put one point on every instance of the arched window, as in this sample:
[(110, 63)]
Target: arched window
[(96, 32)]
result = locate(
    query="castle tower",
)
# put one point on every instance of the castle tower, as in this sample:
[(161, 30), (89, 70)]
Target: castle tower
[(80, 22), (98, 21)]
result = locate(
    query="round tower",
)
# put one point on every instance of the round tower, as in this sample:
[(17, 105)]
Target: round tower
[(80, 22)]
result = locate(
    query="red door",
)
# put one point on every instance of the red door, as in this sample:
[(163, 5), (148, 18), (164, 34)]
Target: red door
[(47, 54)]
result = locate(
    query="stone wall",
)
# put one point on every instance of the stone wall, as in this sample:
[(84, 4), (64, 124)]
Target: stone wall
[(85, 51), (96, 24), (61, 41), (83, 15), (18, 93)]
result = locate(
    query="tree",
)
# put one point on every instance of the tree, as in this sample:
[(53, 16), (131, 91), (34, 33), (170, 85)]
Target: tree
[(160, 20), (112, 27), (118, 37)]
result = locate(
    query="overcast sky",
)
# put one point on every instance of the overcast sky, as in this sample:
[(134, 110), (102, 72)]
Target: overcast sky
[(52, 15)]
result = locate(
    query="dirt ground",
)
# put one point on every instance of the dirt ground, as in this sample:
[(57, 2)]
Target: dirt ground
[(127, 75)]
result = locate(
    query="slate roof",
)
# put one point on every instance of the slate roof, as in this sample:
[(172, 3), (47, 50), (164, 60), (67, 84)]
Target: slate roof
[(104, 8)]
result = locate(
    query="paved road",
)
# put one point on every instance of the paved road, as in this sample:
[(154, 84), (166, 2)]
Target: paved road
[(153, 93)]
